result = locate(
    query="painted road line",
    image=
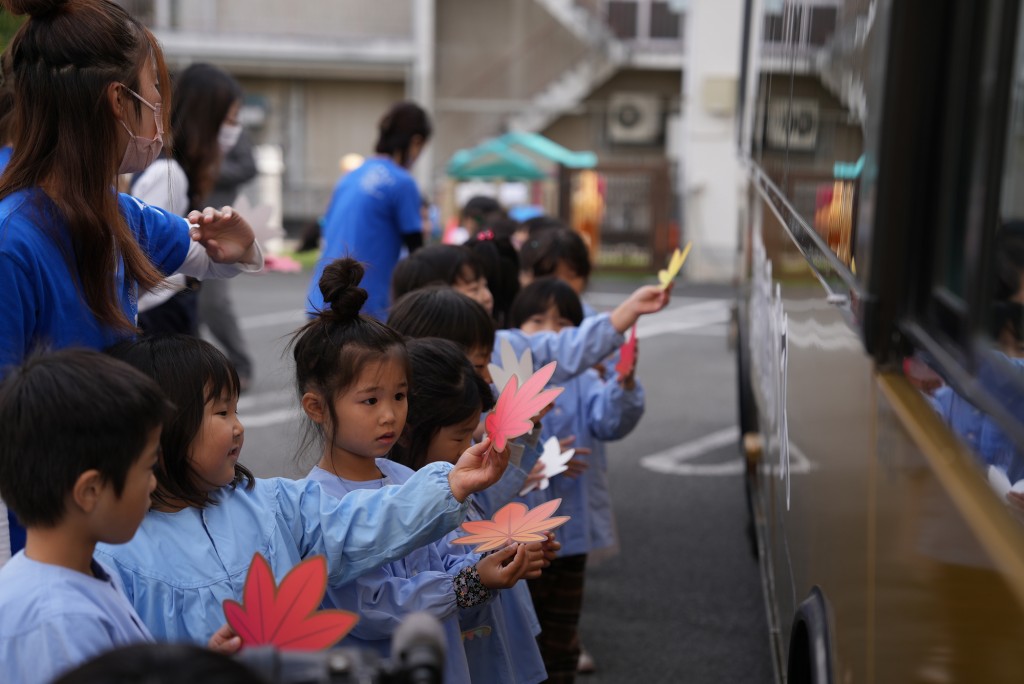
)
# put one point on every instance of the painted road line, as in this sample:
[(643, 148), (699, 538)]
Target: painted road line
[(676, 461)]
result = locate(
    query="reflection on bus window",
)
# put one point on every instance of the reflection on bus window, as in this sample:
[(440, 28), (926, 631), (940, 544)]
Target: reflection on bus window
[(991, 422)]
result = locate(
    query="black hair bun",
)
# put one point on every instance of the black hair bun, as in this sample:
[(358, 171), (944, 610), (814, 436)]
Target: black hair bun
[(339, 285), (35, 8)]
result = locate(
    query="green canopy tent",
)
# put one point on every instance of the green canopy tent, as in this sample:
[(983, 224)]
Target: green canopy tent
[(517, 156)]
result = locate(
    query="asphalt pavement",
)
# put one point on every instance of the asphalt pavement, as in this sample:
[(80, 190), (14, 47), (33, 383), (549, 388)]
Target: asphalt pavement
[(681, 599)]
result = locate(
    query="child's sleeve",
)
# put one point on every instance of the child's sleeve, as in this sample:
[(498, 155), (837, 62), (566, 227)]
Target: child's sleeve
[(382, 599), (368, 528), (511, 483), (613, 412), (575, 349)]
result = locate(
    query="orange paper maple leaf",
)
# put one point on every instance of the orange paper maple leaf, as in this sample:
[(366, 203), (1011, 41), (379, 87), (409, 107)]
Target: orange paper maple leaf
[(286, 616), (517, 405), (513, 523)]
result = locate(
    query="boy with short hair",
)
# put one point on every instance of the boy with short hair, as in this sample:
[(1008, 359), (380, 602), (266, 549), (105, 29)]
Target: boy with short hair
[(79, 438)]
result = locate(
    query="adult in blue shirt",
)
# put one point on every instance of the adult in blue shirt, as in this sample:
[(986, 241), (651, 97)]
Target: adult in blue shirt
[(376, 208), (90, 89)]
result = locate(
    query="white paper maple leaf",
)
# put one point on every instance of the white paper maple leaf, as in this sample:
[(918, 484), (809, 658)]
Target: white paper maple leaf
[(555, 462), (519, 366), (1001, 483)]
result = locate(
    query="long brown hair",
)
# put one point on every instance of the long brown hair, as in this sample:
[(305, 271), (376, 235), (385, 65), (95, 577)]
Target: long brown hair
[(65, 134), (203, 95)]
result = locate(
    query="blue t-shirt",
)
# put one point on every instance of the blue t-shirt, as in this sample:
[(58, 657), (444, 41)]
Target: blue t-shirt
[(53, 619), (371, 209), (43, 303)]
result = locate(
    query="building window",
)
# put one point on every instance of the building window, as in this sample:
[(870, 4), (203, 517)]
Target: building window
[(823, 25), (622, 17), (665, 22)]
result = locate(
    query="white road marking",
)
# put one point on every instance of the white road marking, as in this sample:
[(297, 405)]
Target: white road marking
[(675, 461)]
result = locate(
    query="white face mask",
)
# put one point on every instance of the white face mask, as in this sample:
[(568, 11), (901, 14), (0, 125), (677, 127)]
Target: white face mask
[(141, 152), (227, 136)]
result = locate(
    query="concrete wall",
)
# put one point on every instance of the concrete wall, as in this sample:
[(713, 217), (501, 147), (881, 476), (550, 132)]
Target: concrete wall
[(316, 123), (586, 129), (337, 18), (492, 57)]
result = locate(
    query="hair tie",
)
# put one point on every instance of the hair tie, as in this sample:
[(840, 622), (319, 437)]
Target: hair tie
[(485, 235)]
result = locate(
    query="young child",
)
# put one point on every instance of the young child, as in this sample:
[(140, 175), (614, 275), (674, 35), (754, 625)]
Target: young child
[(210, 515), (357, 401), (80, 438), (500, 262), (592, 410), (554, 249), (453, 265), (445, 403)]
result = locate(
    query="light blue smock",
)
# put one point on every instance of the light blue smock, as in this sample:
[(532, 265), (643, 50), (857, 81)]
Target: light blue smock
[(384, 597), (575, 349), (500, 636), (595, 411), (180, 567), (53, 619)]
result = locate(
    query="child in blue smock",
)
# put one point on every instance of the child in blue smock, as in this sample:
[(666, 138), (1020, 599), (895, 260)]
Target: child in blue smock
[(357, 400), (442, 312), (592, 410), (445, 403), (211, 515), (80, 440)]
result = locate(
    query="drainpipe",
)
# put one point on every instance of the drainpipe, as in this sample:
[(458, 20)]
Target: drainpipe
[(420, 86)]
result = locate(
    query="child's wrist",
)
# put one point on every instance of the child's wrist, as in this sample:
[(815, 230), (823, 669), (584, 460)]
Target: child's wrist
[(469, 589), (458, 491)]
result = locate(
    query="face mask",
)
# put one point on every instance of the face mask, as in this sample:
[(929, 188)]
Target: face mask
[(227, 136), (141, 152)]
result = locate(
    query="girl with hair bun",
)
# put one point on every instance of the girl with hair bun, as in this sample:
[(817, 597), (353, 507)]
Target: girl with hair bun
[(91, 97), (376, 209), (444, 584), (210, 515)]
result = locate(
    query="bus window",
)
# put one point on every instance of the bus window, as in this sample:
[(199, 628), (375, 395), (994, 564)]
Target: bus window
[(982, 400), (807, 130)]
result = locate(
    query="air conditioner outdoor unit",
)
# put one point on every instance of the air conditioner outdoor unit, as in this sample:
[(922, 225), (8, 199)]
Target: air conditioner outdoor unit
[(793, 122), (635, 119)]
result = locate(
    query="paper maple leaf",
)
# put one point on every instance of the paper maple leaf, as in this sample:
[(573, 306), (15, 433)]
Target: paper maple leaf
[(519, 366), (999, 481), (516, 405), (286, 616), (513, 523), (667, 275), (555, 461), (627, 355)]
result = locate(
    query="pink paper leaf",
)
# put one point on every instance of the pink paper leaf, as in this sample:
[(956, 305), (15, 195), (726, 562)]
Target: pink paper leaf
[(517, 405)]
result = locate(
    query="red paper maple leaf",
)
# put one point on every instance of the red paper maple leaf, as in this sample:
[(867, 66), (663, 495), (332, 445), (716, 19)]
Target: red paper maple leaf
[(513, 523), (286, 616), (517, 405), (627, 355)]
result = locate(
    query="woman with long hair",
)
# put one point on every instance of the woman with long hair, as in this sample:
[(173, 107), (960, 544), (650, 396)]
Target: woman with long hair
[(204, 121), (90, 91)]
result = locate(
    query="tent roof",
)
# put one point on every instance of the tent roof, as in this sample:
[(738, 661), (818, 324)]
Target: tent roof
[(516, 156)]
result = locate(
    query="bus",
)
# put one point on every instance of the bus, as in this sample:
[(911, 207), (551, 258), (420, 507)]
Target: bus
[(880, 329)]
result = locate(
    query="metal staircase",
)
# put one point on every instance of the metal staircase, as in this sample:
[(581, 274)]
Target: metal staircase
[(607, 54)]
